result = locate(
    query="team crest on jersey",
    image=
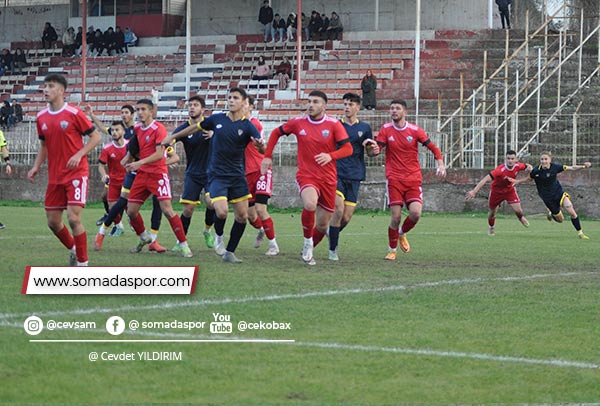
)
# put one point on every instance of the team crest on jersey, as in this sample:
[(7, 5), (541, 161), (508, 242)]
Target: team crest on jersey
[(547, 175), (325, 133), (75, 182), (161, 182), (44, 127), (302, 132), (219, 126), (147, 138), (64, 124), (240, 132), (360, 134), (409, 138)]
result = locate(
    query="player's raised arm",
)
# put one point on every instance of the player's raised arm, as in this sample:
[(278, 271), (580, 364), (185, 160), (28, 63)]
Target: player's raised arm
[(95, 119)]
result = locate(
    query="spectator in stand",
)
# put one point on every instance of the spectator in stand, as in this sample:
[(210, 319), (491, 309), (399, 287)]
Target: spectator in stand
[(368, 86), (131, 40), (119, 40), (78, 40), (110, 40), (305, 24), (89, 39), (7, 114), (335, 27), (19, 62), (265, 17), (292, 25), (98, 42), (314, 25), (279, 27), (283, 73), (68, 40), (262, 70), (18, 109), (324, 27), (503, 7), (6, 62), (49, 36)]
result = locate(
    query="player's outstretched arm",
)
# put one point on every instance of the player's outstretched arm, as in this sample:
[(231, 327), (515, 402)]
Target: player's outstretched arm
[(95, 119), (473, 192), (518, 181), (578, 167)]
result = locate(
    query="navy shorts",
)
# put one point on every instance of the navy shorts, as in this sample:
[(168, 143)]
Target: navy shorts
[(555, 203), (128, 182), (192, 189), (233, 189), (348, 190)]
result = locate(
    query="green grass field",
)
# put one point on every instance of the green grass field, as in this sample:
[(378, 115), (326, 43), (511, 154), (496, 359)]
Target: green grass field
[(463, 318)]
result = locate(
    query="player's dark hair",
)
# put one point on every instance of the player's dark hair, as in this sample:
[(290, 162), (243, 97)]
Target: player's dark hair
[(56, 78), (240, 91), (511, 152), (251, 100), (148, 102), (118, 122), (400, 102), (352, 97), (128, 107), (199, 99), (318, 93)]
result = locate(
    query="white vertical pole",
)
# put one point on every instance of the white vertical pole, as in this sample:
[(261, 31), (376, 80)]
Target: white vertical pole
[(376, 15), (188, 47), (417, 59), (490, 14), (539, 80)]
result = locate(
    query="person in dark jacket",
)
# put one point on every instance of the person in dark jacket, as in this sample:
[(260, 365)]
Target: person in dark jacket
[(314, 25), (503, 6), (368, 86), (265, 17), (49, 36), (119, 40), (19, 62)]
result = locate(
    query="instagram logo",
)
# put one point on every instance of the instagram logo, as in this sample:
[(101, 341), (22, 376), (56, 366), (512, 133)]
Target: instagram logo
[(33, 325)]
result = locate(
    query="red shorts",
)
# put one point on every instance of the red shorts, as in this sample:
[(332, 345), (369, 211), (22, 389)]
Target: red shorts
[(260, 184), (114, 191), (61, 195), (496, 197), (325, 190), (147, 184), (400, 193)]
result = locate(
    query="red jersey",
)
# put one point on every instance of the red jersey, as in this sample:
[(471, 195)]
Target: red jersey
[(63, 132), (402, 155), (315, 137), (501, 174), (148, 138), (111, 155), (252, 156)]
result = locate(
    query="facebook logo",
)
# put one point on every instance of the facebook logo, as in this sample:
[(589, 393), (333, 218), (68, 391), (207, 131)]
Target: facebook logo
[(115, 325)]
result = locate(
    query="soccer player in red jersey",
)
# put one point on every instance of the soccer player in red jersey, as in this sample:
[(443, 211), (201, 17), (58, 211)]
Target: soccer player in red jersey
[(111, 156), (403, 173), (502, 189), (61, 128), (318, 136), (261, 188), (152, 177)]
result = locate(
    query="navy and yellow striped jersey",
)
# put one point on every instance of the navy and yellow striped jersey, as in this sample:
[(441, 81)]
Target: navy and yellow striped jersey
[(547, 184), (228, 143), (353, 167), (196, 148)]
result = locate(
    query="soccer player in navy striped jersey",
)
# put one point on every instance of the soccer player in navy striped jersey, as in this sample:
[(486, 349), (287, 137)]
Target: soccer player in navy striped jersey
[(350, 170), (551, 191), (232, 131), (196, 147)]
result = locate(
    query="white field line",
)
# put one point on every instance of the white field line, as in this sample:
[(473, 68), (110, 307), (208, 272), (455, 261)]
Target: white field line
[(291, 296), (205, 338)]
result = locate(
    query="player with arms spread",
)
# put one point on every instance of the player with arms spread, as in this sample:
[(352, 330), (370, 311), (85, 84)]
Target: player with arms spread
[(502, 189)]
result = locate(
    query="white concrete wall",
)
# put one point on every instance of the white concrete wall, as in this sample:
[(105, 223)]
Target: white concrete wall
[(241, 16), (27, 23)]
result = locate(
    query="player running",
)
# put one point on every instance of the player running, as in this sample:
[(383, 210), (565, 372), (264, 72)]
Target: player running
[(502, 189)]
